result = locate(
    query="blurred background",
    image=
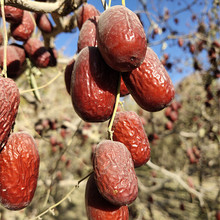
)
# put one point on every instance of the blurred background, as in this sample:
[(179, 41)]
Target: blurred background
[(182, 181)]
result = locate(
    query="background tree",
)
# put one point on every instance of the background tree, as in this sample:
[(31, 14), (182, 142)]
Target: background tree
[(182, 179)]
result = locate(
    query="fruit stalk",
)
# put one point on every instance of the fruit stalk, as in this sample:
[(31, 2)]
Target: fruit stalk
[(43, 86), (115, 108), (178, 179), (51, 208), (4, 72), (104, 3)]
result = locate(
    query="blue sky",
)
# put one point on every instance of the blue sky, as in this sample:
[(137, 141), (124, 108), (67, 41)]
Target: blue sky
[(68, 41)]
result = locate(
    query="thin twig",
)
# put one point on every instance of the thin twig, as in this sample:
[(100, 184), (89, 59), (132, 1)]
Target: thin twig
[(179, 180), (50, 209), (61, 7), (188, 134), (115, 108), (59, 160), (43, 86), (105, 5)]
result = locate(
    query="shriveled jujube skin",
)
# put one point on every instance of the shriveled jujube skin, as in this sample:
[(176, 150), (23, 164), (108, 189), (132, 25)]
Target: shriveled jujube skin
[(123, 89), (53, 56), (20, 51), (87, 35), (99, 208), (121, 38), (12, 14), (68, 74), (23, 30), (93, 86), (9, 103), (37, 52), (43, 23), (19, 168), (128, 129), (85, 12), (150, 84), (22, 58), (13, 61), (114, 172)]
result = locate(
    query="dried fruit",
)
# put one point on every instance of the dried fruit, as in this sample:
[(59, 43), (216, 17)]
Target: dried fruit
[(169, 125), (93, 86), (12, 14), (20, 51), (87, 35), (19, 167), (99, 208), (22, 59), (23, 30), (37, 52), (121, 38), (123, 89), (68, 74), (13, 61), (43, 23), (173, 116), (114, 172), (128, 129), (150, 84), (9, 103), (167, 111), (53, 56), (84, 13)]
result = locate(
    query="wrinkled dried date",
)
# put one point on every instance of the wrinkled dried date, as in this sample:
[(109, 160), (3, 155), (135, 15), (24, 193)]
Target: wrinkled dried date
[(9, 103), (53, 56), (121, 38), (23, 30), (12, 14), (150, 84), (13, 60), (87, 35), (22, 58), (19, 167), (93, 86), (123, 89), (37, 52), (128, 129), (43, 23), (20, 51), (68, 74), (114, 172), (85, 12), (99, 208)]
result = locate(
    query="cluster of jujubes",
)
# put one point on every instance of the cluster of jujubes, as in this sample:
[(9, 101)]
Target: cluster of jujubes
[(19, 158), (113, 52), (21, 29)]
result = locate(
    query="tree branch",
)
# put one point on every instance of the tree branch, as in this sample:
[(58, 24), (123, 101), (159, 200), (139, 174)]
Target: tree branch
[(179, 180), (61, 7)]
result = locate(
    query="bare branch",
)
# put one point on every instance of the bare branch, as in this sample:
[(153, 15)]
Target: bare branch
[(62, 7), (179, 180), (104, 3)]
